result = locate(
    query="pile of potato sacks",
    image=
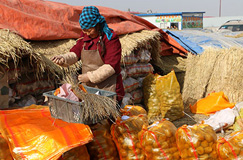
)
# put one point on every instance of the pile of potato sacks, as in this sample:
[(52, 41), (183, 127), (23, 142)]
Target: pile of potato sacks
[(132, 138), (135, 139)]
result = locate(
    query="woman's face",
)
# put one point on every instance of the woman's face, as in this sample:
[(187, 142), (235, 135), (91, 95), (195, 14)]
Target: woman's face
[(91, 32)]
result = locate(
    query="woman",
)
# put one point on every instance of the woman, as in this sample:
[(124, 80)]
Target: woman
[(99, 49)]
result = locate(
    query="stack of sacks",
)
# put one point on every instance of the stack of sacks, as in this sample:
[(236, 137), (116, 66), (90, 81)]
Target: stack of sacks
[(139, 51), (136, 66)]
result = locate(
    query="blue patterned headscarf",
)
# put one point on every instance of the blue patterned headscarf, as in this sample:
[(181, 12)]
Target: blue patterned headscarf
[(90, 17)]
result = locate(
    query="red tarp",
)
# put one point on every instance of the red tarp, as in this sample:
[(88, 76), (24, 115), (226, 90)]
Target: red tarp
[(45, 20)]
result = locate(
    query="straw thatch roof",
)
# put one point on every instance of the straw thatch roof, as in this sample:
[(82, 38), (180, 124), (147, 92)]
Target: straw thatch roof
[(52, 48), (214, 70), (129, 42), (15, 48)]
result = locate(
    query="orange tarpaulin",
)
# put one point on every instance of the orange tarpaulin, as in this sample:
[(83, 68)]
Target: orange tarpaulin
[(46, 20), (212, 103), (34, 134)]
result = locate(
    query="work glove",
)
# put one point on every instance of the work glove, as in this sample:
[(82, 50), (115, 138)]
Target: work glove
[(83, 78)]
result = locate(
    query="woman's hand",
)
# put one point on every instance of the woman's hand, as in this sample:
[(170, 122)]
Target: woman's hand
[(58, 60), (83, 78)]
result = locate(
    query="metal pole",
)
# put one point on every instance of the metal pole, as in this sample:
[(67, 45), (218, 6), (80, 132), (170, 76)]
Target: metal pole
[(219, 8)]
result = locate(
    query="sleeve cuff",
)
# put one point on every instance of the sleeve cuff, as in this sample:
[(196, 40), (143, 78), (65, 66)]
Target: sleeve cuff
[(101, 74), (70, 58)]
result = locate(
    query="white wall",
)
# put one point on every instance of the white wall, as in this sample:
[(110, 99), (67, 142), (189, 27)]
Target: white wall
[(218, 21), (152, 20)]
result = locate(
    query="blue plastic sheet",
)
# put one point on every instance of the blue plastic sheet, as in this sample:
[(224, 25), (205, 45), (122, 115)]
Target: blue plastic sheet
[(206, 38), (186, 43)]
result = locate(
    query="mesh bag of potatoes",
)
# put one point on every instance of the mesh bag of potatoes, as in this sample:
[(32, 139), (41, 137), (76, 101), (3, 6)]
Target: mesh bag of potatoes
[(168, 92), (197, 142), (159, 142), (102, 147), (4, 150), (151, 100), (231, 147), (133, 110), (77, 153), (125, 134)]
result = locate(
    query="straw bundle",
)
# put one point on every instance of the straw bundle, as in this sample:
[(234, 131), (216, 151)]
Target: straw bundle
[(48, 49), (175, 62), (215, 70), (53, 48), (13, 47)]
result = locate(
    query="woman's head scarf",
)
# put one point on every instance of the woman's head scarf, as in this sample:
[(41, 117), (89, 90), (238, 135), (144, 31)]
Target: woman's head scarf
[(90, 17)]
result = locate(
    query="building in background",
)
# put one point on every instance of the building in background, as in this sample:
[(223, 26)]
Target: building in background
[(178, 20)]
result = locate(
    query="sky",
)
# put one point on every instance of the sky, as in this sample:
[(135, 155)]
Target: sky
[(210, 7)]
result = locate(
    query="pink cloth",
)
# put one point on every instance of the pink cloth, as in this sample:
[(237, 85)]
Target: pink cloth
[(66, 92)]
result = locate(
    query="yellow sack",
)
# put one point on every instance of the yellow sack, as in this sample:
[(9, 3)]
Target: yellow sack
[(33, 134), (169, 95), (151, 99), (212, 103)]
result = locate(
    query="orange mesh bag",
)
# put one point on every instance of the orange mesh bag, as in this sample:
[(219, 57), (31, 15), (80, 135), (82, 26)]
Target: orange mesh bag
[(102, 147), (159, 142), (151, 100), (33, 134), (125, 134), (212, 103), (197, 142), (132, 110), (168, 92), (77, 153), (231, 147), (4, 150)]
